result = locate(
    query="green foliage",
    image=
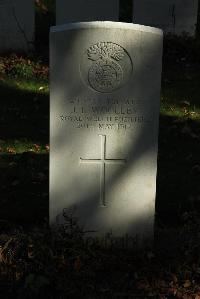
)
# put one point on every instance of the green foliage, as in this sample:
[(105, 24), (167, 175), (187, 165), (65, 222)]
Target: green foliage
[(22, 70)]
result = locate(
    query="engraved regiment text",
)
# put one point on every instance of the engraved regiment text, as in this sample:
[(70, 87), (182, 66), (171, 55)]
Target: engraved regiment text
[(104, 114)]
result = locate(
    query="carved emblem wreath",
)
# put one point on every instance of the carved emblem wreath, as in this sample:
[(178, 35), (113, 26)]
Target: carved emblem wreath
[(106, 73)]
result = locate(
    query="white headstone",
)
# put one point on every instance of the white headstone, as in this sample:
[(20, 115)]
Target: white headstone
[(16, 25), (86, 10), (105, 91), (173, 16)]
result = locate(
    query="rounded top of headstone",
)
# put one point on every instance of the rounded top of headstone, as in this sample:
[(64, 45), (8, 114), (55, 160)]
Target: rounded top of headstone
[(106, 24)]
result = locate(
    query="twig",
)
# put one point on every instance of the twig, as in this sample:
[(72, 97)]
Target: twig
[(20, 28)]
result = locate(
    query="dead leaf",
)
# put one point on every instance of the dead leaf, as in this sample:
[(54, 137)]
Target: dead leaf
[(36, 147), (18, 275), (11, 150), (31, 254), (174, 278), (187, 283)]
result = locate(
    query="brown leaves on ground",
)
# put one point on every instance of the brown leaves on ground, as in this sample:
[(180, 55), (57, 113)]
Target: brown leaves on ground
[(55, 260), (47, 147), (8, 65), (11, 150)]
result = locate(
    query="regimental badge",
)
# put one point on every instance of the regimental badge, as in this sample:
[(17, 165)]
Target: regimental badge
[(109, 66)]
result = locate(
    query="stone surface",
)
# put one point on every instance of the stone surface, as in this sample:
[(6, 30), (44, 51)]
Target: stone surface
[(86, 10), (105, 90), (16, 25), (173, 16)]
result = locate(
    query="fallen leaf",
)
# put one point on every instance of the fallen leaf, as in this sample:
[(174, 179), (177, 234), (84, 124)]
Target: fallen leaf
[(187, 283), (36, 147), (11, 150), (31, 254), (174, 278)]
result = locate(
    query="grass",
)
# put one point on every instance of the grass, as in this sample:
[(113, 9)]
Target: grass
[(30, 85), (21, 146), (24, 107)]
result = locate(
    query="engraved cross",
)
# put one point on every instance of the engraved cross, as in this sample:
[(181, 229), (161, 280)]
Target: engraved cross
[(103, 162)]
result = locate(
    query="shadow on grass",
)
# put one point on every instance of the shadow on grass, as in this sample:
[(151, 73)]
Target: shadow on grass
[(178, 187), (24, 188), (23, 114), (181, 84), (24, 177)]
